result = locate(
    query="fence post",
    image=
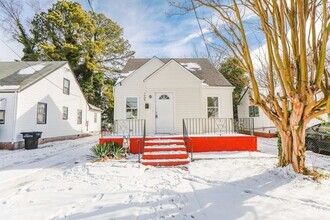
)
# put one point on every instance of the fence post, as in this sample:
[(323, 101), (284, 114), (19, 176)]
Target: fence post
[(139, 156)]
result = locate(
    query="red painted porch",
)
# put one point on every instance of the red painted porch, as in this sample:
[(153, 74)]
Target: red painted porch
[(201, 143)]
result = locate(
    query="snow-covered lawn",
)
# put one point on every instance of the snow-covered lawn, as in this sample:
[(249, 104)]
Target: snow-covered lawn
[(59, 181)]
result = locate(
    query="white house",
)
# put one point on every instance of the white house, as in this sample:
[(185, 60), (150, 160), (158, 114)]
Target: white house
[(262, 124), (46, 97), (164, 91)]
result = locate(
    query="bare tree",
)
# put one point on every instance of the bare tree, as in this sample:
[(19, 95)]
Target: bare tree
[(296, 34), (11, 21)]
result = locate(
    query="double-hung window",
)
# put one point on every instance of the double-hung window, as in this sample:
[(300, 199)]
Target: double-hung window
[(253, 111), (79, 116), (212, 107), (42, 113), (2, 116), (65, 114), (66, 86), (131, 107), (95, 117)]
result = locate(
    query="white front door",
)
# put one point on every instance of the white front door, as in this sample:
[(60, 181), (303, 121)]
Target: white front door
[(164, 113)]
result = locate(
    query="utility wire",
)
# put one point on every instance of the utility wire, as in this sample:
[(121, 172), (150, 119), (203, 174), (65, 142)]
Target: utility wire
[(200, 28), (33, 67), (90, 5)]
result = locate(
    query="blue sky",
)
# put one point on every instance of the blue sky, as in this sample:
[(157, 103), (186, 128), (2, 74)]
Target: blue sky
[(146, 26)]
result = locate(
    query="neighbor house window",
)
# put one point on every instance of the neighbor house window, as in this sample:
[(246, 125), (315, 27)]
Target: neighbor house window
[(79, 116), (42, 113), (253, 111), (66, 86), (95, 117), (65, 113), (131, 108), (212, 107), (2, 116)]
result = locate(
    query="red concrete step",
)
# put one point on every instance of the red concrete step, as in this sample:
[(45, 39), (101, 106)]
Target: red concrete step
[(167, 162), (163, 142), (173, 147), (165, 155)]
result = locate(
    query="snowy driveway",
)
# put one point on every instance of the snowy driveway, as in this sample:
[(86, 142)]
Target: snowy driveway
[(58, 181)]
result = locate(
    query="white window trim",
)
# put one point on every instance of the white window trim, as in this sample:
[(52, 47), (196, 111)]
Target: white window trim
[(207, 106), (138, 106)]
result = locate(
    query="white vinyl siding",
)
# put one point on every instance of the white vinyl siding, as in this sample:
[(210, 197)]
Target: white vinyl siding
[(185, 87), (189, 97), (261, 123), (7, 104), (134, 86), (55, 98)]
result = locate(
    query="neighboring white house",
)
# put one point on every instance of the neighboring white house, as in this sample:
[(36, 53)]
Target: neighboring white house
[(46, 97), (261, 122), (165, 91)]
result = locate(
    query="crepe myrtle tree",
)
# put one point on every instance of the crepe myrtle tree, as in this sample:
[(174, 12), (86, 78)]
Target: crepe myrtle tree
[(296, 35)]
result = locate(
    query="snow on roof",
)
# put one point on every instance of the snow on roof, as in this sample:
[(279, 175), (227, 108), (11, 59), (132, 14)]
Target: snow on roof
[(191, 66), (204, 84), (9, 87), (31, 69)]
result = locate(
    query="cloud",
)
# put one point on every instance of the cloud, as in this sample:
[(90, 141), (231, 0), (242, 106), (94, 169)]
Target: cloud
[(150, 31)]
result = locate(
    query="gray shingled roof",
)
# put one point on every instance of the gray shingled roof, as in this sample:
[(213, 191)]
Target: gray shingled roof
[(207, 72), (10, 77)]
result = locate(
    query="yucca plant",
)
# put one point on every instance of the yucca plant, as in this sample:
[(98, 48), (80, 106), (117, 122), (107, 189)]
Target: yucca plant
[(102, 152), (117, 151)]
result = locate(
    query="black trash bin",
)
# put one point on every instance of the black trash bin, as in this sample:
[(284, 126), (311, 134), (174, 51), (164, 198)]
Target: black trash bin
[(31, 139)]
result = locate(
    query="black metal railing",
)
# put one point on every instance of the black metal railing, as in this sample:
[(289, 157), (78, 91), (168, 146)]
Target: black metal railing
[(126, 127), (244, 126), (187, 140), (212, 126), (185, 135), (217, 126), (141, 151)]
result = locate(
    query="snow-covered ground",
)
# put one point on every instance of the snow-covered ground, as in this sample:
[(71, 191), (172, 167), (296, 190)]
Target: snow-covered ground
[(59, 181)]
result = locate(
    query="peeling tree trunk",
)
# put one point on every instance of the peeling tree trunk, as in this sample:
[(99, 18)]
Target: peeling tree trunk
[(292, 149), (293, 139)]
